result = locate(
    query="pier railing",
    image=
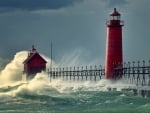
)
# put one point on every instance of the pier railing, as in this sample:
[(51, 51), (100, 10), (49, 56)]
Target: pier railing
[(77, 73), (137, 73)]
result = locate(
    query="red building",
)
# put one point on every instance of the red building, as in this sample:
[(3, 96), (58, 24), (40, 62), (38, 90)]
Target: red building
[(114, 54), (34, 63)]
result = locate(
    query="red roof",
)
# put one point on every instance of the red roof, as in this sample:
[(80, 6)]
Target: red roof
[(32, 56)]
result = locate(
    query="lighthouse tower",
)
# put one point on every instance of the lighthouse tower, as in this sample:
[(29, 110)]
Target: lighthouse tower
[(114, 56)]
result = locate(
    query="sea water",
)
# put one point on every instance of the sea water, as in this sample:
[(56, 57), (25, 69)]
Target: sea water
[(42, 96)]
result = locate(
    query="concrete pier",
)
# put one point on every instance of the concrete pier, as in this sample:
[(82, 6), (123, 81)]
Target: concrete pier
[(138, 91)]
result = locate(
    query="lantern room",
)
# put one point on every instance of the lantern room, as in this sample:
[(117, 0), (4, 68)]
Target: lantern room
[(114, 19), (115, 15)]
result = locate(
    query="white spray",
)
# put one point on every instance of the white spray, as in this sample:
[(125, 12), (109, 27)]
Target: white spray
[(41, 84)]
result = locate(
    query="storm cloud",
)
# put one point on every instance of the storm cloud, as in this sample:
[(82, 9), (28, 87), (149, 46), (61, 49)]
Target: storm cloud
[(114, 3), (7, 5), (76, 27)]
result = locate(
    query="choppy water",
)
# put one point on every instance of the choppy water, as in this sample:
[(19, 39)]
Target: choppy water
[(40, 96)]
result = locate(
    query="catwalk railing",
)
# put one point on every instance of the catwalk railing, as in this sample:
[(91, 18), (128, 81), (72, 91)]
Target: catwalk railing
[(137, 73), (77, 73)]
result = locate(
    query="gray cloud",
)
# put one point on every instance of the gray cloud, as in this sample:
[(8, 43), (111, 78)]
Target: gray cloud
[(76, 29), (113, 3), (7, 5)]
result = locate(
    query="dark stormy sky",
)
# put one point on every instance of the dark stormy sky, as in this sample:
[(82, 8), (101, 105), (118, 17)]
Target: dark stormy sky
[(76, 28)]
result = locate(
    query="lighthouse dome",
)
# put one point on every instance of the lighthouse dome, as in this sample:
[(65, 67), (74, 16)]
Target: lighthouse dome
[(115, 13)]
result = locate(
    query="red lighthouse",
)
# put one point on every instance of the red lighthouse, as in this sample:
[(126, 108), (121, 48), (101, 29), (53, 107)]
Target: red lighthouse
[(114, 57), (34, 63)]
